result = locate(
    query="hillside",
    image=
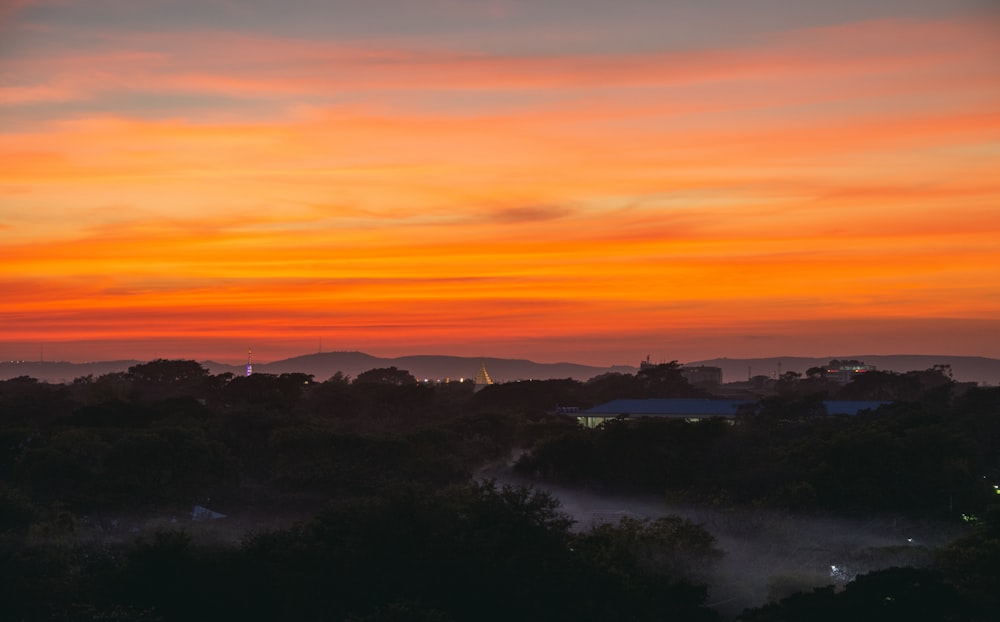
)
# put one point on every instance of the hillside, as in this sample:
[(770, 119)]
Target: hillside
[(323, 365), (326, 364)]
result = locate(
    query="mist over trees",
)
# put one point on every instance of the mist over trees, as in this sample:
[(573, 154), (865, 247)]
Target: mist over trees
[(384, 517)]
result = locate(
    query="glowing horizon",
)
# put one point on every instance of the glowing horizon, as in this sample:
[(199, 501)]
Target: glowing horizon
[(497, 178)]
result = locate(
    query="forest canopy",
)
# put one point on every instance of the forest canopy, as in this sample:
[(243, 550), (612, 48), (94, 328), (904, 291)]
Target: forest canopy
[(383, 516)]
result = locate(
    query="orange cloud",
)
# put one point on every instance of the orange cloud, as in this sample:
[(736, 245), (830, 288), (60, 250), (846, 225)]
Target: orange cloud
[(841, 175)]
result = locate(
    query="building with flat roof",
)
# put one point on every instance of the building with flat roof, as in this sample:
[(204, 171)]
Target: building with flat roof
[(688, 409), (845, 371), (702, 375), (696, 409)]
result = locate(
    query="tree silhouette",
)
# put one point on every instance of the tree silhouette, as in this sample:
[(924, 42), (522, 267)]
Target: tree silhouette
[(386, 375)]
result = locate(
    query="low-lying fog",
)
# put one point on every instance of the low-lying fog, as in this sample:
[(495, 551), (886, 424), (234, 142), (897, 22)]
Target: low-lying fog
[(768, 554)]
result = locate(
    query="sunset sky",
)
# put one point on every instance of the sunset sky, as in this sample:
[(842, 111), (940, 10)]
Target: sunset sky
[(546, 179)]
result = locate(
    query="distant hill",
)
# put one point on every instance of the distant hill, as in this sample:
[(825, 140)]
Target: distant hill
[(964, 368), (326, 364), (61, 371)]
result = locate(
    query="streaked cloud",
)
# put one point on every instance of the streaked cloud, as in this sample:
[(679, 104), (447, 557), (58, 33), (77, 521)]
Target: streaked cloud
[(406, 188)]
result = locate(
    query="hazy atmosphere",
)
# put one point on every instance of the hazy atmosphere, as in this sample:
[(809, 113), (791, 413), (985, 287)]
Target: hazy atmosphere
[(583, 181)]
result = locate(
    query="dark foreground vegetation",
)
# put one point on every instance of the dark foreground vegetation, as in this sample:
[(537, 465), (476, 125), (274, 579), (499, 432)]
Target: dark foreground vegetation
[(369, 509)]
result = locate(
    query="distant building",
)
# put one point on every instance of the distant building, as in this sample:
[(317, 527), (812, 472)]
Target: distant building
[(249, 361), (646, 364), (482, 378), (688, 409), (696, 409), (703, 375), (845, 371)]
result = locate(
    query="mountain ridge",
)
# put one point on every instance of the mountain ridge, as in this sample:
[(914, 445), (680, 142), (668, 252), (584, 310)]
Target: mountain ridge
[(323, 365)]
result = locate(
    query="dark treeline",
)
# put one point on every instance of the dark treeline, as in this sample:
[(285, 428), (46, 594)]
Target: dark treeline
[(399, 530), (472, 552), (169, 432)]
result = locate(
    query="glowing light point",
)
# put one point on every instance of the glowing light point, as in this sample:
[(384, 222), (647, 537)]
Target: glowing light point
[(249, 361)]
